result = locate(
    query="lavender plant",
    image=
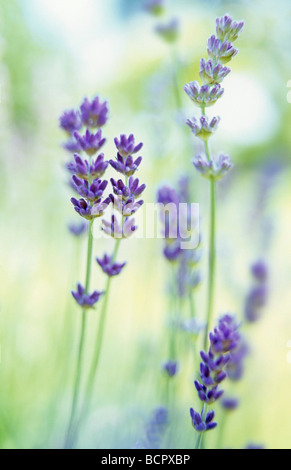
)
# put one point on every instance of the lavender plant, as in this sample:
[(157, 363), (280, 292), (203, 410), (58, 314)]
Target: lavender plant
[(213, 71), (223, 340), (86, 182)]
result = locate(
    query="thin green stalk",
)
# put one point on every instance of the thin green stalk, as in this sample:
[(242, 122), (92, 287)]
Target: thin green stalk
[(211, 279), (212, 255), (176, 86), (77, 383), (99, 340)]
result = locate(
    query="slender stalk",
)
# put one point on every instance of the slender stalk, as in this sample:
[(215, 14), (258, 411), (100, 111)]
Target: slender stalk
[(176, 87), (212, 263), (99, 341), (77, 383), (212, 254)]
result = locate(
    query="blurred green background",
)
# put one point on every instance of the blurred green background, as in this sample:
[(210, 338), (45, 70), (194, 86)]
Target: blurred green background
[(52, 54)]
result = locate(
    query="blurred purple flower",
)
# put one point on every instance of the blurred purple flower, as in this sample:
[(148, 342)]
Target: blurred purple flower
[(215, 168), (70, 121), (203, 128), (94, 113), (86, 300), (171, 368), (77, 229), (109, 267)]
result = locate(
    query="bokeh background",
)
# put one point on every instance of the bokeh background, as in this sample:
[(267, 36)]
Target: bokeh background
[(52, 54)]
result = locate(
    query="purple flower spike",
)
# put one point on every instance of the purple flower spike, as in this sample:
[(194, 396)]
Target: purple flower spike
[(86, 300), (203, 96), (126, 166), (108, 267), (226, 337), (71, 121), (92, 192), (77, 229), (126, 145), (90, 143), (212, 74), (227, 29), (171, 368), (94, 113), (203, 128), (221, 52), (115, 230), (216, 168)]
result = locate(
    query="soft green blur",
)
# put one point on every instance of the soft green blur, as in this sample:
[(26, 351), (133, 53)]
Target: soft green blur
[(52, 54)]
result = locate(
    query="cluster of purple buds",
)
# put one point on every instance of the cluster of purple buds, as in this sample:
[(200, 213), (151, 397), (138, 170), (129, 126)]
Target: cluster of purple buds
[(90, 143), (258, 295), (85, 170), (200, 423), (109, 267), (211, 74), (223, 340), (86, 300), (215, 168), (203, 128), (205, 95), (124, 163)]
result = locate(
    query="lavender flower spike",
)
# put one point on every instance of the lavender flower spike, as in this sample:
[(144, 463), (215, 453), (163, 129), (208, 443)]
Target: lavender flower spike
[(86, 300), (94, 113), (92, 192), (90, 143), (205, 95), (203, 128), (109, 267), (227, 29), (126, 145)]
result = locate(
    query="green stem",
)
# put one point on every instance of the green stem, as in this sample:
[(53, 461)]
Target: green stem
[(99, 341), (212, 256), (176, 86), (77, 383)]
